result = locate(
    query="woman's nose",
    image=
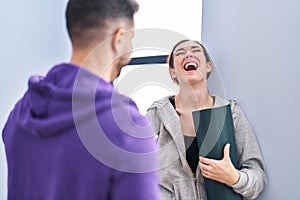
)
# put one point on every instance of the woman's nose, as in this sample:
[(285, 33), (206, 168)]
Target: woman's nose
[(188, 54)]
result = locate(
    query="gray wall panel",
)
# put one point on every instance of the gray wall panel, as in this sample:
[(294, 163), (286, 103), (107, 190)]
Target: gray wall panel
[(255, 46)]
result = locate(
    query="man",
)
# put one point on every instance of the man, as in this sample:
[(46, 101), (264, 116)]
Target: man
[(71, 136)]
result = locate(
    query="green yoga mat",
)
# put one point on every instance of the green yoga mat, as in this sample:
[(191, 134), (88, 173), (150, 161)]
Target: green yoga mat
[(214, 129)]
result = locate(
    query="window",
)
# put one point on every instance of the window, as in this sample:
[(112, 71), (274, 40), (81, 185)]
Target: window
[(159, 24)]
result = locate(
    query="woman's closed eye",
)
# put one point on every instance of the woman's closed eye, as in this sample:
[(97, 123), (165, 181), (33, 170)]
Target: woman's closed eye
[(196, 50), (178, 53)]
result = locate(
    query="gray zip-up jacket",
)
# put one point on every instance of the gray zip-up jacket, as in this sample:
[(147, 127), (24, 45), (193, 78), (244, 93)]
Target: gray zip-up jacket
[(176, 177)]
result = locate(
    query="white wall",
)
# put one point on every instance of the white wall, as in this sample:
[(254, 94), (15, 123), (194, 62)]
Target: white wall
[(184, 17), (256, 46), (159, 25)]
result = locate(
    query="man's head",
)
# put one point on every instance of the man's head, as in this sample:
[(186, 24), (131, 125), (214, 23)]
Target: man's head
[(89, 20), (105, 28)]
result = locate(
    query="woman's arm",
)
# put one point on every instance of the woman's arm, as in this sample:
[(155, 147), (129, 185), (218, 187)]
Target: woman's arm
[(252, 170)]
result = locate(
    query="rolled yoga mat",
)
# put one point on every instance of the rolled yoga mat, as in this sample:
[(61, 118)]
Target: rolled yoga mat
[(214, 129)]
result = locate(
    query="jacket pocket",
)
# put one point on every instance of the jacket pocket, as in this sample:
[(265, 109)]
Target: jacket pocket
[(185, 190)]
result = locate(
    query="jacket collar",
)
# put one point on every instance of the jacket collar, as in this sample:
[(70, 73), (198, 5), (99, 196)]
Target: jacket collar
[(172, 124)]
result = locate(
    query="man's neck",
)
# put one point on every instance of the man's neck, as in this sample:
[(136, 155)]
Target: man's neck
[(100, 64)]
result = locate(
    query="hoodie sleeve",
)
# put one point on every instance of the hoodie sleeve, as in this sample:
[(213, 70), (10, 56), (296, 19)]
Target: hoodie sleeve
[(252, 170), (133, 152), (130, 186)]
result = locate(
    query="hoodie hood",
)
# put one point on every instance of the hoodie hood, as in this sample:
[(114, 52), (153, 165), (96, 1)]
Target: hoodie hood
[(46, 108)]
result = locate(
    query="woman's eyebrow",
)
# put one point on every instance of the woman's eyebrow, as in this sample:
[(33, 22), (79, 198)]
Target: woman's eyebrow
[(181, 49), (195, 47)]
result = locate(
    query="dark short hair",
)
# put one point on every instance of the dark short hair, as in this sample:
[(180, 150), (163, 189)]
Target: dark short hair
[(84, 15), (171, 56)]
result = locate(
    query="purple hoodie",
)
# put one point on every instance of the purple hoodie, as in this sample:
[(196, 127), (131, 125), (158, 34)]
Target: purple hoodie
[(73, 137)]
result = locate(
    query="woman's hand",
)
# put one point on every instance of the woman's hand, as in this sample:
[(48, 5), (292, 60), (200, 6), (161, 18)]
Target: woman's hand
[(220, 170)]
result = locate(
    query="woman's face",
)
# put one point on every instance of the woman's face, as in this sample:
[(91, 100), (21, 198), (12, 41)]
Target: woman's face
[(190, 65)]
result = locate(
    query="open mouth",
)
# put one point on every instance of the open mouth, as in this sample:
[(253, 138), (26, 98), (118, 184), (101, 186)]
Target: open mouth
[(189, 66)]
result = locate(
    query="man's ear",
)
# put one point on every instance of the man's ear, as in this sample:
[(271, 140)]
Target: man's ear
[(208, 67), (118, 39)]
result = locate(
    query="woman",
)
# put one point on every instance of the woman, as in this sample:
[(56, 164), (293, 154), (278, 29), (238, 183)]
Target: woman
[(182, 171)]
